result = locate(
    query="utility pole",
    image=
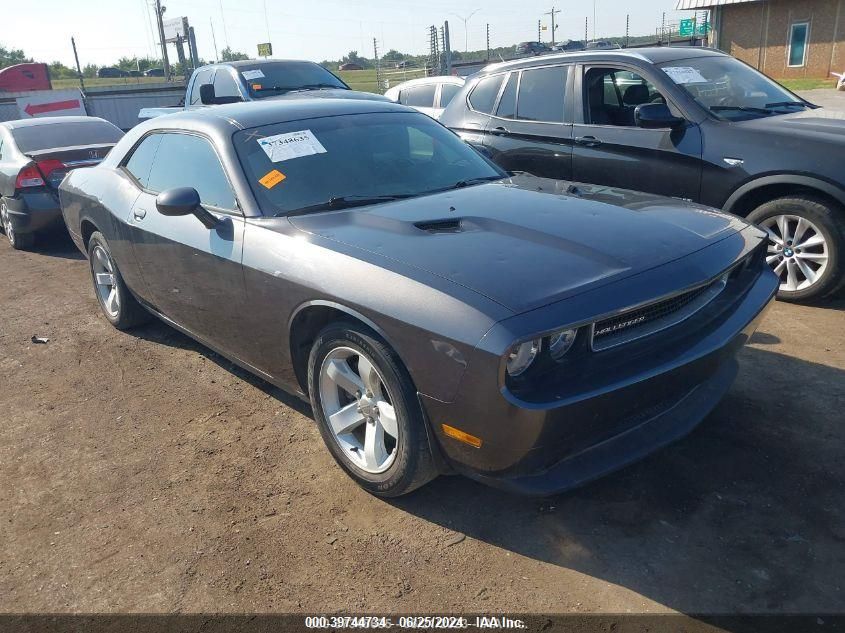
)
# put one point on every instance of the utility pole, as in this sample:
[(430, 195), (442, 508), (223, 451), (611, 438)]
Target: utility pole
[(447, 47), (192, 47), (627, 30), (594, 19), (488, 42), (539, 30), (78, 67), (663, 29), (378, 64), (586, 30), (552, 13), (159, 16), (214, 40)]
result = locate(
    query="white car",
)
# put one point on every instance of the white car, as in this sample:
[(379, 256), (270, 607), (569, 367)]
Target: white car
[(429, 95)]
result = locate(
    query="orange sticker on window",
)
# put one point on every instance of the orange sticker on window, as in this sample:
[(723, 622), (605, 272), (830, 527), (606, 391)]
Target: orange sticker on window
[(272, 178), (256, 86)]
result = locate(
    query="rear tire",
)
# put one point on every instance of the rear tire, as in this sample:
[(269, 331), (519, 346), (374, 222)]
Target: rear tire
[(18, 241), (118, 304), (360, 390), (807, 245)]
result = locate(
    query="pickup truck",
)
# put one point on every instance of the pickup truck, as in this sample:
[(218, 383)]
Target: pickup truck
[(257, 80)]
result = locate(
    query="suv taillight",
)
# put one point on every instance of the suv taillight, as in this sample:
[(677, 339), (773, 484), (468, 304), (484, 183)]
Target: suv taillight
[(29, 176)]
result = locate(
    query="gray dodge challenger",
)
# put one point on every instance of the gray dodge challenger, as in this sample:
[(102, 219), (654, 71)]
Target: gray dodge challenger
[(441, 315)]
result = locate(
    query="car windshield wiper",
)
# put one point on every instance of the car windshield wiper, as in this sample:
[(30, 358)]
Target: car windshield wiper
[(747, 109), (346, 202), (472, 181), (785, 104), (315, 87)]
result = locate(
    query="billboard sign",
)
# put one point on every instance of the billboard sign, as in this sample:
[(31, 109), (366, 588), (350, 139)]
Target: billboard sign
[(175, 28), (51, 103)]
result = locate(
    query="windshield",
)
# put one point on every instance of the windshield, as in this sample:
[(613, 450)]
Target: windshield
[(341, 161), (731, 90), (267, 79), (52, 135)]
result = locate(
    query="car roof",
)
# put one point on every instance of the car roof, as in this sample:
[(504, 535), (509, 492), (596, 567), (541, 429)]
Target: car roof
[(653, 55), (438, 79), (253, 62), (222, 118), (49, 120)]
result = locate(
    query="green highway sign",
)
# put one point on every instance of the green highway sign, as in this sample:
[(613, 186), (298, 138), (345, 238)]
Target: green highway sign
[(265, 50), (687, 28)]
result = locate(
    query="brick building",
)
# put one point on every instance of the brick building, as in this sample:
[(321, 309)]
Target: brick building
[(782, 38)]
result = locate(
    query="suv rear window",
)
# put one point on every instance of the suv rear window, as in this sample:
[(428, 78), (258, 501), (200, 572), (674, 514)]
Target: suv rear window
[(483, 96), (52, 135)]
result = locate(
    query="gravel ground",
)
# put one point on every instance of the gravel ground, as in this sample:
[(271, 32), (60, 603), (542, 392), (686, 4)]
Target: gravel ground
[(140, 472)]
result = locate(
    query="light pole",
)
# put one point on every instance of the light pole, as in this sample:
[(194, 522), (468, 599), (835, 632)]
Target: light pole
[(466, 29)]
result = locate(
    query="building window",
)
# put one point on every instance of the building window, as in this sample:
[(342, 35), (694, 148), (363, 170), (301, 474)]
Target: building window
[(798, 36)]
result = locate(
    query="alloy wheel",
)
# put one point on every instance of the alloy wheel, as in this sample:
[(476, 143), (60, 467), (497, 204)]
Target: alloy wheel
[(359, 410), (798, 251), (105, 282), (7, 223)]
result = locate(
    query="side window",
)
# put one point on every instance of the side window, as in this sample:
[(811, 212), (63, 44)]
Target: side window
[(447, 93), (419, 96), (798, 36), (612, 95), (184, 160), (541, 94), (203, 78), (225, 88), (141, 160), (483, 96), (507, 104)]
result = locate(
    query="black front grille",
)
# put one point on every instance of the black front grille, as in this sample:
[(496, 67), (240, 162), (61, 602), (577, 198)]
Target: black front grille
[(653, 317)]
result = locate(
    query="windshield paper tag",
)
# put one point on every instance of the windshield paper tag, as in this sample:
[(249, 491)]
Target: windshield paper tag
[(249, 75), (685, 75), (292, 145), (272, 178)]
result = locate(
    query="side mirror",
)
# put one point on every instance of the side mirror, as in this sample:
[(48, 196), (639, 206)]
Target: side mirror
[(207, 96), (181, 201), (653, 116)]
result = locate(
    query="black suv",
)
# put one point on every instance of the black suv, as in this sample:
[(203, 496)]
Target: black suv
[(689, 123)]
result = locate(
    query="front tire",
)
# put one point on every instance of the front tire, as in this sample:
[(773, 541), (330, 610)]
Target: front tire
[(806, 245), (118, 305), (367, 411), (18, 241)]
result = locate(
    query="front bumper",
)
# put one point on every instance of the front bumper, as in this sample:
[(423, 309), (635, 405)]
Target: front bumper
[(33, 212), (621, 411)]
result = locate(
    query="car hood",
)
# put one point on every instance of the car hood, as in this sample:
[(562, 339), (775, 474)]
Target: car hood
[(819, 123), (329, 93), (525, 242)]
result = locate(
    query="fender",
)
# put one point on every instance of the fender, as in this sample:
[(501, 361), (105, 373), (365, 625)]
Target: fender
[(834, 191), (440, 461)]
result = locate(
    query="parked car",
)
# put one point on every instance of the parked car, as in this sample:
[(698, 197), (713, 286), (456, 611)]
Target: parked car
[(154, 72), (407, 63), (111, 73), (429, 95), (690, 123), (35, 154), (350, 66), (569, 45), (439, 315), (257, 80), (135, 73), (531, 48), (602, 45)]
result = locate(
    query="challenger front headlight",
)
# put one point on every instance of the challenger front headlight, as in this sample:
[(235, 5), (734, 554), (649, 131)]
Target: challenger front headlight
[(561, 342), (522, 355)]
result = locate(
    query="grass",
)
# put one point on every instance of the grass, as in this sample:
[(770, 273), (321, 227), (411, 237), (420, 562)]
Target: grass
[(95, 82), (807, 84)]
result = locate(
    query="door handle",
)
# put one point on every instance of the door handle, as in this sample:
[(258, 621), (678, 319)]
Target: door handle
[(588, 141), (499, 130), (139, 214)]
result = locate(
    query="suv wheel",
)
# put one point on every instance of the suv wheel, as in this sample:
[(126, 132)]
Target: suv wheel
[(806, 242), (367, 411)]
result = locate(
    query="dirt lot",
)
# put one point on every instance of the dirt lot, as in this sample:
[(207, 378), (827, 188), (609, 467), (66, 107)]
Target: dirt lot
[(139, 472)]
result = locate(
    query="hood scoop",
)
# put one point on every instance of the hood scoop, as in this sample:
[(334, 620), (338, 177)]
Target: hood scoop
[(444, 225)]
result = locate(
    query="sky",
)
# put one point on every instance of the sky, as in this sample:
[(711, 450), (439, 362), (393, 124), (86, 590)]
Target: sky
[(106, 30)]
